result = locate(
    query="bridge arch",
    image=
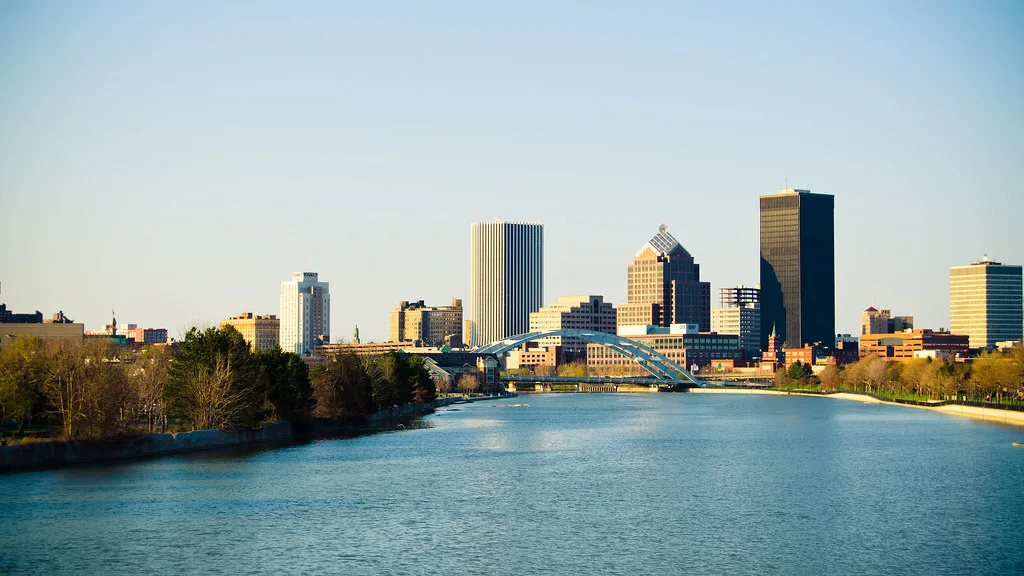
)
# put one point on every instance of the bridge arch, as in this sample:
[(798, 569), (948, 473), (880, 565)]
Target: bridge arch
[(655, 363)]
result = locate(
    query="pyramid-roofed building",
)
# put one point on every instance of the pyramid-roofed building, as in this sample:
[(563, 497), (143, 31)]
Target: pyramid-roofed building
[(663, 243), (664, 286)]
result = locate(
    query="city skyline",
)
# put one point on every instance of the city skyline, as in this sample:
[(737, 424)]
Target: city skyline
[(203, 136)]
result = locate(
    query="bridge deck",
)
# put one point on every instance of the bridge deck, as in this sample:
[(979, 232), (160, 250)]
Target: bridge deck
[(586, 380)]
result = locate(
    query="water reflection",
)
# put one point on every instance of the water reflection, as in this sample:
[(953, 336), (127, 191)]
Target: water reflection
[(573, 484)]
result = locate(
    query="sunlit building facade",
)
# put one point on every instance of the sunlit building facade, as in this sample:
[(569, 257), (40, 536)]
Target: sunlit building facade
[(506, 272), (305, 313), (261, 332), (575, 313), (664, 287), (985, 302), (427, 325)]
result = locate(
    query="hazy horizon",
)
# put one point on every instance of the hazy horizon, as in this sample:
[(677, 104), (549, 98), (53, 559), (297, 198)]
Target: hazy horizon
[(176, 163)]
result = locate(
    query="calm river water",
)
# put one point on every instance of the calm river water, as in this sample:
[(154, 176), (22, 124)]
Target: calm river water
[(572, 484)]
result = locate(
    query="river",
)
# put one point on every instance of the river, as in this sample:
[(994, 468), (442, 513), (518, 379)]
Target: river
[(571, 484)]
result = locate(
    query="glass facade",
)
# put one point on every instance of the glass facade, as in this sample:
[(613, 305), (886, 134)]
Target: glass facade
[(798, 268)]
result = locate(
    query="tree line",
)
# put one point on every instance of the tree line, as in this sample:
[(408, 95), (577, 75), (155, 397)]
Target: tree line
[(211, 379), (991, 377)]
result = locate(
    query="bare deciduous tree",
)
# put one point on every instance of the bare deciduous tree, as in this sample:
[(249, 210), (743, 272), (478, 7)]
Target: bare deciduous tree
[(148, 376), (210, 400), (65, 384), (468, 383)]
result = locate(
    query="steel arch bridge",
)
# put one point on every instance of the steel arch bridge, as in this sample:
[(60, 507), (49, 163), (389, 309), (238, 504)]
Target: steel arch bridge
[(646, 357)]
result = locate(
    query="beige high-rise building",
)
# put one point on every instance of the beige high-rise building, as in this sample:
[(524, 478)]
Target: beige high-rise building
[(664, 287), (261, 332), (985, 302), (427, 325), (875, 321), (576, 313)]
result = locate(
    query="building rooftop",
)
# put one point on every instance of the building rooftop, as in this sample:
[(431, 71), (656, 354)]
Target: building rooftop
[(663, 243), (793, 192), (986, 261), (497, 220)]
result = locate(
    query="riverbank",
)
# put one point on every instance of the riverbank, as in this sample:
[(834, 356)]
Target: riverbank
[(1011, 417), (42, 455)]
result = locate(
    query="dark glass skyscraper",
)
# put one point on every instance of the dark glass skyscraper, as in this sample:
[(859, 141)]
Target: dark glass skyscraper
[(798, 271)]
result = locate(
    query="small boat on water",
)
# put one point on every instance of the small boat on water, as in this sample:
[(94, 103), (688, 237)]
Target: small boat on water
[(1018, 444), (519, 406)]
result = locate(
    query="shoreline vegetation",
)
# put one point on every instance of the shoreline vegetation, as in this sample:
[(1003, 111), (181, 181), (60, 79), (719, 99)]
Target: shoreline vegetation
[(90, 390), (990, 387), (55, 454), (1000, 415), (992, 378)]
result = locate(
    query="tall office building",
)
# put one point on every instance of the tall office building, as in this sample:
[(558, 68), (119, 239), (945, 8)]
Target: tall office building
[(798, 272), (985, 302), (506, 270), (664, 287), (305, 313)]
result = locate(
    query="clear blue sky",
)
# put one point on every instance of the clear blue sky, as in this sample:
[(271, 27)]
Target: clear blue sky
[(176, 161)]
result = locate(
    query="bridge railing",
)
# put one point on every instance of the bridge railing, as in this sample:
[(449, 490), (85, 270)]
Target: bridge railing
[(586, 380)]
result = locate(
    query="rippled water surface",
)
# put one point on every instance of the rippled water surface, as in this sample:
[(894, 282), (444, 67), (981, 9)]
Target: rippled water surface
[(571, 484)]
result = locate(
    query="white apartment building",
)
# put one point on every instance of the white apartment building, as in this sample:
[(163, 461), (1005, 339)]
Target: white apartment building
[(305, 313)]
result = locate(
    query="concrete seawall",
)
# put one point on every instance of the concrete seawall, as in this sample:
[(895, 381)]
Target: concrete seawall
[(56, 454)]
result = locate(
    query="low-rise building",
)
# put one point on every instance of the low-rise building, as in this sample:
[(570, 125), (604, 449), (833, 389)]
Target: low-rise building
[(585, 312), (11, 331), (424, 325), (374, 348), (875, 321), (681, 343), (132, 334), (260, 332), (9, 317), (530, 355), (805, 355), (903, 345), (847, 349), (448, 367)]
